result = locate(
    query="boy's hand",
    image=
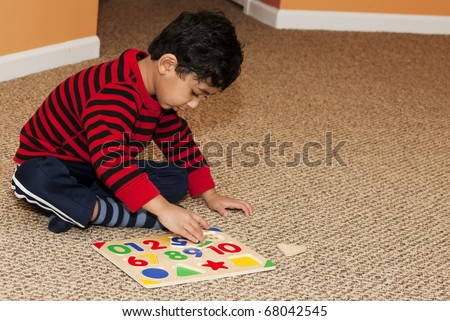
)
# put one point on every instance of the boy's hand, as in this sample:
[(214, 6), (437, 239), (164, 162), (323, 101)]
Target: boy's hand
[(177, 219), (220, 203)]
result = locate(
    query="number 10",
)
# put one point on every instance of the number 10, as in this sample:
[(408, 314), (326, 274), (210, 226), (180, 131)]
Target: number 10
[(225, 247)]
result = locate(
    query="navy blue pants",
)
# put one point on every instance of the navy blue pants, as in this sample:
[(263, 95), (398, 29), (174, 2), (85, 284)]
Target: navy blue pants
[(70, 189)]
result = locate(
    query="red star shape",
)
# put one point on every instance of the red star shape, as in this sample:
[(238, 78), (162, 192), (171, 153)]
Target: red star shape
[(215, 265)]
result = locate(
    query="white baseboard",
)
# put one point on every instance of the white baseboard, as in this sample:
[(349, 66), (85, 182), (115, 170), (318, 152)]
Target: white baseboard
[(35, 60), (244, 4), (347, 21)]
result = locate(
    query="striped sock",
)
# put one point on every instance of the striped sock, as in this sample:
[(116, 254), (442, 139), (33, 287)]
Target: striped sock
[(114, 213)]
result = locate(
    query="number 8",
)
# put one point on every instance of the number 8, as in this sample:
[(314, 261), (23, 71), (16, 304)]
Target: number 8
[(175, 255)]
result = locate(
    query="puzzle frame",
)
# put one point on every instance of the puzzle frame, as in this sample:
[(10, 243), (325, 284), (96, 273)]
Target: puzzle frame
[(169, 259)]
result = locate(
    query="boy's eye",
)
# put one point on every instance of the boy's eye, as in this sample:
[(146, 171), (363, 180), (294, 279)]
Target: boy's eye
[(194, 94)]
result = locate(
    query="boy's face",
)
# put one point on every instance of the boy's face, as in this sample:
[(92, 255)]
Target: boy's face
[(179, 93)]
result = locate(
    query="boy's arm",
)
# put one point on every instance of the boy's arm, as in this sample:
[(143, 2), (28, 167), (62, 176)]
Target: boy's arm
[(175, 140), (220, 203), (108, 120)]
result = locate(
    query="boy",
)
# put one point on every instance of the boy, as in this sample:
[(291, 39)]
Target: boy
[(77, 153)]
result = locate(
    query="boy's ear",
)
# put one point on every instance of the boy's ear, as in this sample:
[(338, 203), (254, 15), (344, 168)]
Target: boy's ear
[(167, 63)]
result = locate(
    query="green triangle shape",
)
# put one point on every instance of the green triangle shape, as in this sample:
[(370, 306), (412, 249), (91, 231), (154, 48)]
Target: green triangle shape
[(181, 271), (269, 263)]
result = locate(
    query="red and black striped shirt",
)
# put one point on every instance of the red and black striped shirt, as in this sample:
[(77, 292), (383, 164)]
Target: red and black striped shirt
[(103, 115)]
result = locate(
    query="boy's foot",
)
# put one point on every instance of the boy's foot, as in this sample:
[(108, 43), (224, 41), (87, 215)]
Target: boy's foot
[(57, 225)]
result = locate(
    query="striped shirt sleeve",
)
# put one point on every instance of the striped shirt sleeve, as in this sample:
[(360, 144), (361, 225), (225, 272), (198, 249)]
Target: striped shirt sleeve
[(176, 142)]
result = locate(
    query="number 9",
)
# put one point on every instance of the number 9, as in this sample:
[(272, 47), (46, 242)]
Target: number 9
[(193, 251)]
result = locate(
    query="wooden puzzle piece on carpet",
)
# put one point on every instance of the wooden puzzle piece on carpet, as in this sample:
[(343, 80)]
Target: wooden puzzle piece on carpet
[(291, 249), (168, 259)]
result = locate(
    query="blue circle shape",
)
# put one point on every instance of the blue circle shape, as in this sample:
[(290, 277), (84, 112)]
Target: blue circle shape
[(155, 273)]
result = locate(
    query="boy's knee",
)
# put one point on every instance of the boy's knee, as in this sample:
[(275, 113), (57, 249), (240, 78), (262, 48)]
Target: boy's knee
[(176, 186), (172, 182), (35, 173), (181, 188), (47, 182)]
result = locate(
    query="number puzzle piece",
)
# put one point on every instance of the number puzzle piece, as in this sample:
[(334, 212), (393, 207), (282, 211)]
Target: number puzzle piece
[(169, 259)]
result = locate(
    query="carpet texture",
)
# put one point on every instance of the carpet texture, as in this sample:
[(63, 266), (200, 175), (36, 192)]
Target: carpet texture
[(340, 140)]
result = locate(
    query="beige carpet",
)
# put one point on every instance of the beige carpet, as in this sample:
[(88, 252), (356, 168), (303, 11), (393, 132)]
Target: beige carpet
[(374, 215)]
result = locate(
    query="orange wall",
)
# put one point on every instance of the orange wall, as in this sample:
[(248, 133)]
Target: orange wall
[(29, 24), (426, 7)]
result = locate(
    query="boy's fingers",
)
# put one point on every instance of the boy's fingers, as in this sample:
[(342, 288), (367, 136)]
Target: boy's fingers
[(196, 229), (190, 236), (223, 211), (249, 209), (245, 207), (197, 234), (201, 221)]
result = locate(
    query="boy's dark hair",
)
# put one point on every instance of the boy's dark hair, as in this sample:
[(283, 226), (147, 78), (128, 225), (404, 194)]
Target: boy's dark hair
[(204, 43)]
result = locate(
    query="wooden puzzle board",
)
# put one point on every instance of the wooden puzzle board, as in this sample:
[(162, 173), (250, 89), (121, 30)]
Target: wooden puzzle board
[(168, 259)]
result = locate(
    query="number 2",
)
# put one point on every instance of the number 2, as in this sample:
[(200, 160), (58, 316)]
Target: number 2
[(155, 245)]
